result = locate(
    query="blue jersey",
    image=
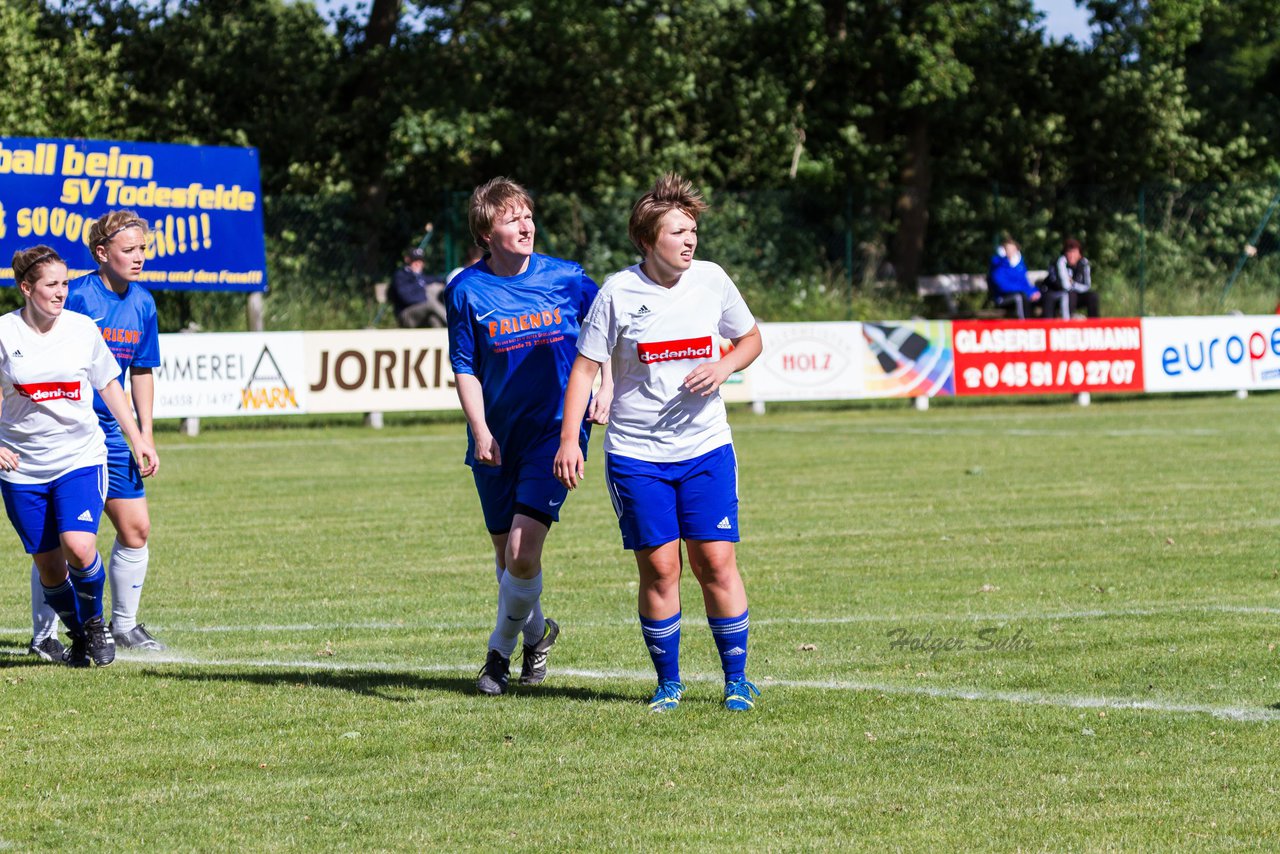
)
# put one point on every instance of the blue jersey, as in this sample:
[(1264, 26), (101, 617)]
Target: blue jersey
[(128, 324), (518, 336)]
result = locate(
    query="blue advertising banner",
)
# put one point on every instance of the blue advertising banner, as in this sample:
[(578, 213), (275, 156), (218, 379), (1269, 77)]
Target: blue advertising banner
[(204, 205)]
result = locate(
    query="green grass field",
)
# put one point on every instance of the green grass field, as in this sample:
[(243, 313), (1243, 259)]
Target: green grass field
[(328, 593)]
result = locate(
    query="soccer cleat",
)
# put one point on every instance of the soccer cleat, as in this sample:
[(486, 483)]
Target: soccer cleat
[(533, 665), (667, 697), (738, 694), (137, 638), (49, 649), (494, 674), (99, 643), (78, 654)]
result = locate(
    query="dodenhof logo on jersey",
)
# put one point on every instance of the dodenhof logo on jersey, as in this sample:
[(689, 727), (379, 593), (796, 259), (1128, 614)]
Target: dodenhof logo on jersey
[(672, 351), (44, 392)]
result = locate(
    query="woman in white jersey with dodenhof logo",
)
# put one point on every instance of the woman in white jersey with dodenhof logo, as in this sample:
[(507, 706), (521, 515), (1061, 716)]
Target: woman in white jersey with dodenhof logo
[(669, 460), (52, 454)]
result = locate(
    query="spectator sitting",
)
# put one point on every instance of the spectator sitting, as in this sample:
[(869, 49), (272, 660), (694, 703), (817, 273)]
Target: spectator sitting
[(415, 296), (1010, 287), (1069, 284), (474, 254)]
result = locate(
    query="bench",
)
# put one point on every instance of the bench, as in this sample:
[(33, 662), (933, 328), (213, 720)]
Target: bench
[(962, 295)]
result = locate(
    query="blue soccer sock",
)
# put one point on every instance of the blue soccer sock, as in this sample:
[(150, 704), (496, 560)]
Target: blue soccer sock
[(63, 600), (662, 637), (730, 634), (88, 584)]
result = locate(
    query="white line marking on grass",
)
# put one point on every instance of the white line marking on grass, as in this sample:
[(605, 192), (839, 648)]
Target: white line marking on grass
[(1086, 614), (362, 441), (1245, 714)]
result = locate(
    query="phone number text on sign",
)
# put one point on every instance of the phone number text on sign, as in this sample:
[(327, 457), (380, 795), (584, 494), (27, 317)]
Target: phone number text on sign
[(1047, 357)]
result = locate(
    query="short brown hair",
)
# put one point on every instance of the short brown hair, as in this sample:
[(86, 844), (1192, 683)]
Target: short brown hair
[(1071, 243), (671, 192), (488, 201), (110, 224), (28, 261)]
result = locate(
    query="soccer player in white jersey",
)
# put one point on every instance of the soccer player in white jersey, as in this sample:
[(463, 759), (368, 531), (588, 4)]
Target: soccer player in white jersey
[(52, 454), (126, 313), (513, 325), (669, 459)]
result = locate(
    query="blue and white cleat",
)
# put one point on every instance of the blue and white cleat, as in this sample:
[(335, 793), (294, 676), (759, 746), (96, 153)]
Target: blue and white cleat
[(738, 694), (667, 697)]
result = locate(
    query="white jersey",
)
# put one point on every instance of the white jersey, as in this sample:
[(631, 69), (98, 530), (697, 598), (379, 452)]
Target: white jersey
[(48, 381), (655, 337)]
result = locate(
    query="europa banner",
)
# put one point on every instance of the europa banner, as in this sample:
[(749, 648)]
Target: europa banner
[(204, 205), (1047, 357)]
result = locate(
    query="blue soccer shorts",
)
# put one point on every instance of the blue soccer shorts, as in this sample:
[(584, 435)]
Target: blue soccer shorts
[(41, 511), (693, 499), (526, 485), (124, 479)]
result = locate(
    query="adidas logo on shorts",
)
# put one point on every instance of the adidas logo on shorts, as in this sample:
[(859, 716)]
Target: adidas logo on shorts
[(724, 524), (86, 516)]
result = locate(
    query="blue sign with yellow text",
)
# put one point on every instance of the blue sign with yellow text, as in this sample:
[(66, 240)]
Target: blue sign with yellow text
[(204, 205)]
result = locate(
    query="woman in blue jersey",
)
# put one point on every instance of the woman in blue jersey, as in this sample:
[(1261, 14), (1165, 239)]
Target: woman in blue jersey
[(52, 453), (513, 330), (669, 459), (126, 314)]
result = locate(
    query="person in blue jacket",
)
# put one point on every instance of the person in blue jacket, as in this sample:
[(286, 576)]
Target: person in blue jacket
[(1010, 287)]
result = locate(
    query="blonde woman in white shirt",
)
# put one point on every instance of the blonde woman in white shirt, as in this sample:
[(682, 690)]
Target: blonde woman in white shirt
[(52, 454), (669, 459)]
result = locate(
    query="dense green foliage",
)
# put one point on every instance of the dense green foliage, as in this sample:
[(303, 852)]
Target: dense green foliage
[(878, 139), (328, 594)]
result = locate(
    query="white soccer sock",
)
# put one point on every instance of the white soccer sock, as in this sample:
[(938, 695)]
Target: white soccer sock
[(534, 627), (127, 572), (44, 620), (516, 598)]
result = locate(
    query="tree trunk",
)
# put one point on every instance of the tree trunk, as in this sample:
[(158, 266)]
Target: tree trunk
[(912, 207), (365, 89)]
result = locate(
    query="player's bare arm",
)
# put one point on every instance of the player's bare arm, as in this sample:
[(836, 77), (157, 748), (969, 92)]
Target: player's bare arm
[(471, 396), (143, 449), (598, 411), (142, 384), (709, 376)]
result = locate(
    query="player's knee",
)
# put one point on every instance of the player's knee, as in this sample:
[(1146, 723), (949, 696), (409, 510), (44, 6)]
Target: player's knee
[(134, 535), (524, 563), (718, 575), (80, 554)]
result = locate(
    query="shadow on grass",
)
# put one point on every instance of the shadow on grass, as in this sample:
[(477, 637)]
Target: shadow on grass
[(383, 684), (23, 659)]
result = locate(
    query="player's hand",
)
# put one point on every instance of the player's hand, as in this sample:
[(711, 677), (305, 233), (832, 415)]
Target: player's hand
[(487, 451), (144, 453), (707, 377), (569, 467), (8, 460), (598, 411)]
